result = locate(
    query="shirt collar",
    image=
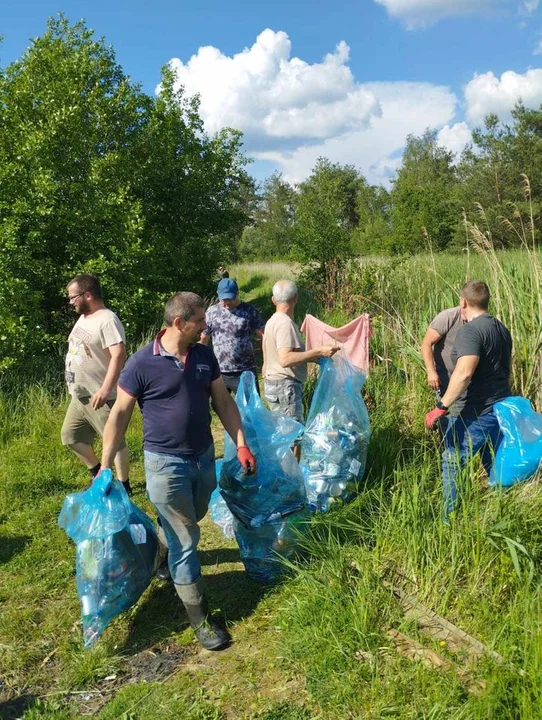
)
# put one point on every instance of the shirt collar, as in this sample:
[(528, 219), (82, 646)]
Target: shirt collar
[(158, 348)]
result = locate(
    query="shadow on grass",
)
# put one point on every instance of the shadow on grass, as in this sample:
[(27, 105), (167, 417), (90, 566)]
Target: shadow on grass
[(162, 614), (10, 546), (12, 709), (219, 556), (255, 282)]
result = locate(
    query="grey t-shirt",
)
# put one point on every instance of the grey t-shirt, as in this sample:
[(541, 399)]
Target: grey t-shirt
[(447, 323), (487, 338)]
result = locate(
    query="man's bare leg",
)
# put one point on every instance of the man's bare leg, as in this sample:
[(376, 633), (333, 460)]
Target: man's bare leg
[(122, 464), (86, 454)]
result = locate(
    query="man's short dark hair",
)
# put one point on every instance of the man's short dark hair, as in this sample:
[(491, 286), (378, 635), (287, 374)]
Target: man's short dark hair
[(182, 305), (88, 283), (476, 293)]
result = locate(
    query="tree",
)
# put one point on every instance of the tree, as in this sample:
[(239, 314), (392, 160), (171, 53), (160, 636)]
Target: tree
[(492, 171), (97, 176), (326, 213), (422, 199), (271, 234)]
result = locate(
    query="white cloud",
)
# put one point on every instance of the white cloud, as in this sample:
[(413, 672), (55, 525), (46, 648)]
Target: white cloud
[(487, 93), (274, 99), (407, 108), (419, 13), (455, 137)]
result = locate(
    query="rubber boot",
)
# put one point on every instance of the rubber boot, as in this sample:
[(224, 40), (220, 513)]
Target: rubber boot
[(209, 633)]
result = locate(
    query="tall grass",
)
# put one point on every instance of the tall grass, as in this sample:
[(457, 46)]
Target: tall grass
[(482, 572), (328, 624)]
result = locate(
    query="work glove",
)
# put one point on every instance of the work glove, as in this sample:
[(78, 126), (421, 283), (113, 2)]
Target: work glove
[(247, 460), (433, 416)]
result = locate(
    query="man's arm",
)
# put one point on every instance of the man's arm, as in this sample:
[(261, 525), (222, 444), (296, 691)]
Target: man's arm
[(461, 377), (431, 338), (288, 357), (227, 411), (116, 363), (116, 426)]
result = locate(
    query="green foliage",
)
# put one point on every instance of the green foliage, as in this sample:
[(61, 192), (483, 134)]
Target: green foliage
[(422, 198), (97, 176), (492, 172), (271, 234), (326, 213)]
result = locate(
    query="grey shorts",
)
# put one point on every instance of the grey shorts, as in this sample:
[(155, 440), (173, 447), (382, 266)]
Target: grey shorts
[(285, 397), (82, 423)]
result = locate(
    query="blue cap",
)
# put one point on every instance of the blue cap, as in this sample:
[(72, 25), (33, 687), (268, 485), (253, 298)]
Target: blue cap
[(227, 289)]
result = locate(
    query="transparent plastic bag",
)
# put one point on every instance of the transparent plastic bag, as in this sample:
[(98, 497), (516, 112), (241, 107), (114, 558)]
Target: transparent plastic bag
[(116, 551), (519, 454), (268, 506), (336, 438), (220, 513)]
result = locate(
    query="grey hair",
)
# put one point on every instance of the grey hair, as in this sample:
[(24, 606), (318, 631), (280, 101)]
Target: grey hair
[(182, 305), (284, 291)]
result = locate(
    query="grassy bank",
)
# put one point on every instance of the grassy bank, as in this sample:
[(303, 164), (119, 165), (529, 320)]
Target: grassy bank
[(320, 645)]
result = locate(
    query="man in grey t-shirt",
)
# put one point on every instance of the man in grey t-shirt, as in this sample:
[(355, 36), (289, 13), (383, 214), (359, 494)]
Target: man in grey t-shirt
[(437, 347), (482, 357)]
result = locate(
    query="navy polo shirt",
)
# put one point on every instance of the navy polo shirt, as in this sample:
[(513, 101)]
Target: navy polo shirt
[(174, 398)]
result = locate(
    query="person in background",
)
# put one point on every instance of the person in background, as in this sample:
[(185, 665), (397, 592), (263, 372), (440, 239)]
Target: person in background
[(285, 357), (436, 350), (222, 272), (482, 358), (173, 378), (95, 358), (231, 323)]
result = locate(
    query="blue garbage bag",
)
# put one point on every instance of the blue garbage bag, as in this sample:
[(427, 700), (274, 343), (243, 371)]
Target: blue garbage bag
[(117, 551), (220, 512), (336, 437), (270, 507), (519, 454)]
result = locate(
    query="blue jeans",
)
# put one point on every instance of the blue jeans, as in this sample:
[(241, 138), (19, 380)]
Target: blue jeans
[(466, 435), (180, 489)]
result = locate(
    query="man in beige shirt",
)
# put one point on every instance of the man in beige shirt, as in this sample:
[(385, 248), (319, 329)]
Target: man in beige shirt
[(95, 357), (285, 357)]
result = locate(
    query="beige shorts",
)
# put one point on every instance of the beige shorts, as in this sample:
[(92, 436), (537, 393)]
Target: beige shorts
[(82, 423)]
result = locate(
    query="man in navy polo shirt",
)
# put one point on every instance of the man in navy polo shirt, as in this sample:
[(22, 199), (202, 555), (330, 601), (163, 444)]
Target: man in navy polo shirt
[(232, 323), (172, 380)]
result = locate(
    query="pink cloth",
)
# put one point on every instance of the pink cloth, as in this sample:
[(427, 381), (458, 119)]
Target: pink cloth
[(352, 338)]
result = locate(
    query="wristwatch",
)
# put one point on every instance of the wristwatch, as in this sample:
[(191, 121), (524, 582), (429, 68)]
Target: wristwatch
[(441, 406)]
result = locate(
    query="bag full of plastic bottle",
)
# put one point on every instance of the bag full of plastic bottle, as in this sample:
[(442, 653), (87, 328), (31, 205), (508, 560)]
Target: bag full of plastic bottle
[(220, 512), (269, 508), (117, 551), (336, 437), (519, 454)]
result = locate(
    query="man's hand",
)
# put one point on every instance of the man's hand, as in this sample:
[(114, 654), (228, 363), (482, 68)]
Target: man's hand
[(433, 416), (327, 351), (433, 380), (99, 399), (247, 460)]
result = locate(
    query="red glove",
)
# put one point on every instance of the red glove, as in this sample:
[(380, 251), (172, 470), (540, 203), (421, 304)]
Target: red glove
[(433, 416), (247, 460)]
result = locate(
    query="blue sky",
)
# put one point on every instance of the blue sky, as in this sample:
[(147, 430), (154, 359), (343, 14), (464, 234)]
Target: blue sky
[(345, 79)]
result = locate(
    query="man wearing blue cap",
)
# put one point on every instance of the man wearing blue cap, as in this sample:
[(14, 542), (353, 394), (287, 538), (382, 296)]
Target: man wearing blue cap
[(232, 324)]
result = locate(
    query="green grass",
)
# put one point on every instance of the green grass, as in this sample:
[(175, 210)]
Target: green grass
[(317, 646)]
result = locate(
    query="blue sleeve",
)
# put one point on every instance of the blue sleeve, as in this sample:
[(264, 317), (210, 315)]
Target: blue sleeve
[(130, 378), (209, 320)]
